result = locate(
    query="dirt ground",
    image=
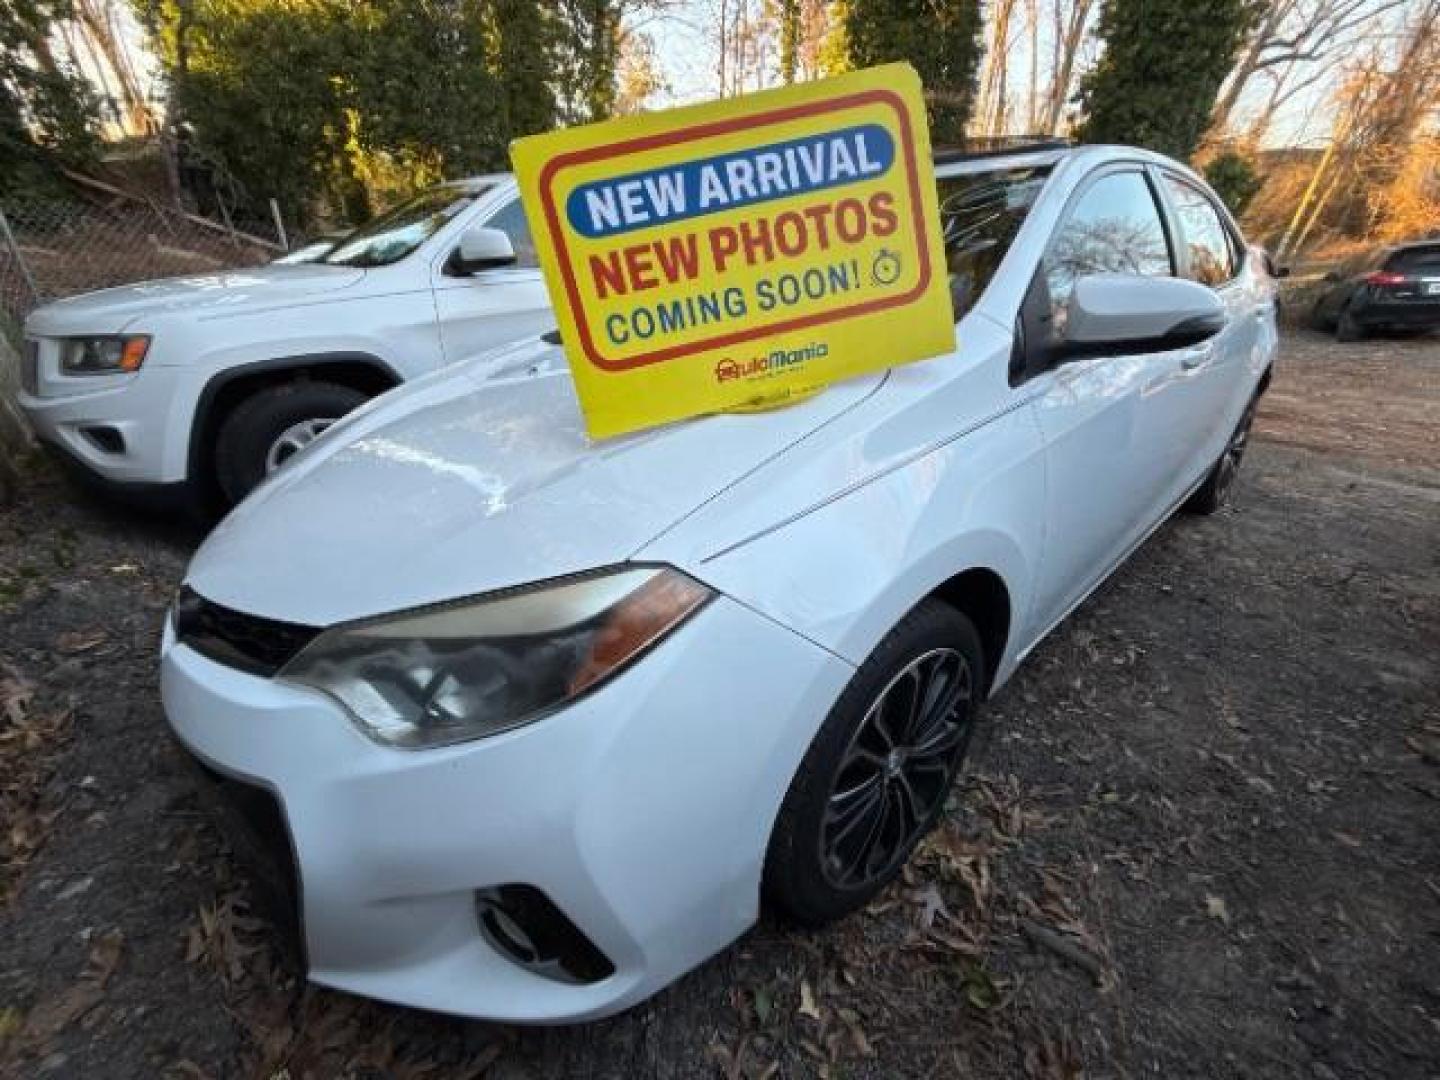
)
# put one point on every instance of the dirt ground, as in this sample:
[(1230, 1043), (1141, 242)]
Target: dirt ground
[(1201, 838)]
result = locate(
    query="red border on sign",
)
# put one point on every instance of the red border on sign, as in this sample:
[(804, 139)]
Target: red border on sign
[(721, 127)]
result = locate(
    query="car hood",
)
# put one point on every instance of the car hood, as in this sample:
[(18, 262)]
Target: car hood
[(110, 311), (477, 479)]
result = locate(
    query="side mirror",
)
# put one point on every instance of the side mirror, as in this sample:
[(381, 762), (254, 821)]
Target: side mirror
[(1272, 268), (1124, 314), (482, 248)]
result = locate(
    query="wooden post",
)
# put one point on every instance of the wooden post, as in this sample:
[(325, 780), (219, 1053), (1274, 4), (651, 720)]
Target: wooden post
[(14, 247), (279, 225)]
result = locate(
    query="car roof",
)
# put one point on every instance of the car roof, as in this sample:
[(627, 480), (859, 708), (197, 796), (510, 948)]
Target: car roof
[(990, 155)]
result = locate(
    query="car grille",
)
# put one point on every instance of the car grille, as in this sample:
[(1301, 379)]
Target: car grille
[(30, 369), (248, 642)]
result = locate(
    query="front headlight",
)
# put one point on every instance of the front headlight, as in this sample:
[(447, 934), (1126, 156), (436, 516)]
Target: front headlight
[(466, 670), (106, 355)]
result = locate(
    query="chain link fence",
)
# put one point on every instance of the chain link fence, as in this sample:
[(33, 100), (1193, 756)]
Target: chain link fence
[(52, 248), (55, 248)]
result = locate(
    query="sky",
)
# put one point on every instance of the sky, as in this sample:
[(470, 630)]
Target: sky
[(686, 50)]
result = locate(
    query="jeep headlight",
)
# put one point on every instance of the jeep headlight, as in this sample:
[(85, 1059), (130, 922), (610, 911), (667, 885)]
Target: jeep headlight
[(105, 355), (473, 668)]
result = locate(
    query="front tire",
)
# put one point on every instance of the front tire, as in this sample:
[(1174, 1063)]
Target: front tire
[(877, 774), (268, 427)]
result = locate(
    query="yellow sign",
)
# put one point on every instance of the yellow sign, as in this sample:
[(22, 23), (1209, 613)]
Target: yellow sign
[(748, 250)]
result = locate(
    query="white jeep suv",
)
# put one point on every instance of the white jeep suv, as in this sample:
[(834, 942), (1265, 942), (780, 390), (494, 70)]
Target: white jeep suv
[(201, 385), (533, 722)]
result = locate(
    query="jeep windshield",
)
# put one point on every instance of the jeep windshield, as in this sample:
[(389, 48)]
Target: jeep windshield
[(980, 213), (396, 233)]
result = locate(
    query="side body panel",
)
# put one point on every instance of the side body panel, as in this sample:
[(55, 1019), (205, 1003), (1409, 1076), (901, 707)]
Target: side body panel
[(941, 471), (493, 307)]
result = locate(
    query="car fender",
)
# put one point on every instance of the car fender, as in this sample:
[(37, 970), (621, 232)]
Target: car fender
[(313, 362), (873, 555)]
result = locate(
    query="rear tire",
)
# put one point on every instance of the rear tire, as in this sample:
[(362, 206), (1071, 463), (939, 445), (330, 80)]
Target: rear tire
[(1348, 328), (1319, 320), (877, 774), (1215, 492), (266, 427)]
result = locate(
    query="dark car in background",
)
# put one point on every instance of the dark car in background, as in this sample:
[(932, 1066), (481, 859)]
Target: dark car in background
[(1394, 288)]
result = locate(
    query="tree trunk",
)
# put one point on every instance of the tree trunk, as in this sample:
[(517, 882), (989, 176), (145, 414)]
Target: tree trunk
[(1069, 36), (95, 22), (789, 39)]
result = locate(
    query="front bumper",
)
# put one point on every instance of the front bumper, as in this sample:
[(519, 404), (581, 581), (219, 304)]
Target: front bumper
[(642, 811), (141, 493), (129, 432)]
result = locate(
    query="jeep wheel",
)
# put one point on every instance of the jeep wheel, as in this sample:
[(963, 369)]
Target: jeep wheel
[(268, 428)]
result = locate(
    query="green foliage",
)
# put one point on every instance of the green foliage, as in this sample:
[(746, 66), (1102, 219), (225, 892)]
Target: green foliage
[(343, 104), (586, 59), (1234, 179), (48, 113), (1163, 64), (941, 40)]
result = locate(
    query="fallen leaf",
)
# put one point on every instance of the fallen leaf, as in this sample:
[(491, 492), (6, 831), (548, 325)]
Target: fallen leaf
[(104, 957), (15, 695), (980, 988), (807, 1002), (932, 905), (858, 1037), (78, 641), (187, 1068), (1216, 909), (764, 1004)]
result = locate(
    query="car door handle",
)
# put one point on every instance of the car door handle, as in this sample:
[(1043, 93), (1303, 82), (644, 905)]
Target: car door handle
[(1194, 358)]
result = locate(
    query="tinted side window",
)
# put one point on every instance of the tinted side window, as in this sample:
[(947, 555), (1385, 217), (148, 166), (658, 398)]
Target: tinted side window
[(510, 219), (1114, 228), (1211, 258), (1415, 260)]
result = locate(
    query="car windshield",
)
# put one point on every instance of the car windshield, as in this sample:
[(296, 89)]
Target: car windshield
[(307, 254), (980, 213), (398, 232)]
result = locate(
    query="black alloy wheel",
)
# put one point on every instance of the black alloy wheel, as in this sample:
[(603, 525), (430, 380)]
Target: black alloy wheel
[(876, 776), (1215, 492), (896, 771)]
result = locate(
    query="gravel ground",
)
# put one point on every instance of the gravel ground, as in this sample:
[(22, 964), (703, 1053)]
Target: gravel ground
[(1200, 838)]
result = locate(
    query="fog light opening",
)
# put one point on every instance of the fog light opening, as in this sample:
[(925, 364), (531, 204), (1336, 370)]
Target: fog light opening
[(104, 438), (525, 926)]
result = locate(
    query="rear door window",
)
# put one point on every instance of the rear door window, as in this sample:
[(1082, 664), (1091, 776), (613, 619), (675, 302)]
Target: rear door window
[(1210, 255), (1420, 261)]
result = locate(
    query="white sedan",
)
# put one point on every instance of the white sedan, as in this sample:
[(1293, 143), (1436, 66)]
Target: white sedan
[(535, 723)]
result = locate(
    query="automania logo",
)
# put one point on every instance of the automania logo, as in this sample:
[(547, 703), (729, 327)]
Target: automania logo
[(728, 370)]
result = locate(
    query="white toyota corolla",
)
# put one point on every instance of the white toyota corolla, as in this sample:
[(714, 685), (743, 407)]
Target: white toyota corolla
[(537, 722)]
